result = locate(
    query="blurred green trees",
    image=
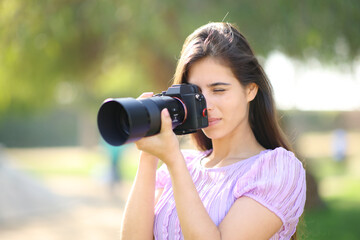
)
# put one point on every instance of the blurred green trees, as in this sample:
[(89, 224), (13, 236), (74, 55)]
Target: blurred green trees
[(56, 51)]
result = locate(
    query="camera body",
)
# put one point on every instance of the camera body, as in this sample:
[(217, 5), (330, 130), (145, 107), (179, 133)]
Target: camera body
[(125, 120), (194, 101)]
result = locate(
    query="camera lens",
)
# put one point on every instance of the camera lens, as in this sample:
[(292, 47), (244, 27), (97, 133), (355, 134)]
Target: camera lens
[(125, 120), (123, 123)]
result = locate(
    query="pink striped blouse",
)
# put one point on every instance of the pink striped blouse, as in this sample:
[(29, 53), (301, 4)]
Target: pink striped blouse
[(274, 178)]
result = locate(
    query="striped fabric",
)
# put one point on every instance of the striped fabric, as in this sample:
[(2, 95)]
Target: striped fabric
[(274, 178)]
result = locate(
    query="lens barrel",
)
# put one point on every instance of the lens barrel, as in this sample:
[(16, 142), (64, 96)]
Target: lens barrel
[(125, 120)]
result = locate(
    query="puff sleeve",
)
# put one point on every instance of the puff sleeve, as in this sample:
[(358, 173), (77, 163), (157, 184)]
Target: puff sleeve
[(277, 181)]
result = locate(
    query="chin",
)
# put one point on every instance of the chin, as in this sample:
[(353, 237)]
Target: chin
[(213, 134)]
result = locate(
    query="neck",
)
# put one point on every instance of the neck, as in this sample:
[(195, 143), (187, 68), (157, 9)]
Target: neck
[(240, 144)]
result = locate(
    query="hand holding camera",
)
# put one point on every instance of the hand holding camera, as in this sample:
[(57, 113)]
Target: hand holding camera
[(157, 145)]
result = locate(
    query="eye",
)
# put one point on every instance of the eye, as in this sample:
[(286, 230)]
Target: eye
[(218, 90)]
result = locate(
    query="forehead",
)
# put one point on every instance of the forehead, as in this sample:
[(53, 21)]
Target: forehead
[(210, 70)]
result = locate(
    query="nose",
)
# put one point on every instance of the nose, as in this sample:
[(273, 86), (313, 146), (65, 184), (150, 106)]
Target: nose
[(209, 102), (209, 106)]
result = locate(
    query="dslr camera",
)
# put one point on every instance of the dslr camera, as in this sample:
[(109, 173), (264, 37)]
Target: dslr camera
[(125, 120)]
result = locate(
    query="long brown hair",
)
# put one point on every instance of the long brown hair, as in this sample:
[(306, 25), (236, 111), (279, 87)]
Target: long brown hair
[(224, 42)]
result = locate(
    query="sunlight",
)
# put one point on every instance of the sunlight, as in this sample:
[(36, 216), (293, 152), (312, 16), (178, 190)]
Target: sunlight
[(311, 86)]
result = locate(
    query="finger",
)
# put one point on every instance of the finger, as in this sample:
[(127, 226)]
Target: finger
[(146, 95), (166, 122)]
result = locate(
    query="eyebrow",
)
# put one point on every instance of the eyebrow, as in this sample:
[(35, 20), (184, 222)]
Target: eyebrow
[(218, 84)]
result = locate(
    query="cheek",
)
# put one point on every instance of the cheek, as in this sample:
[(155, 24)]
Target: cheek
[(235, 103), (236, 109)]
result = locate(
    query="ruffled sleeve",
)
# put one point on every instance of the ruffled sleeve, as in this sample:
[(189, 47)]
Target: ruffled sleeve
[(277, 181), (162, 174)]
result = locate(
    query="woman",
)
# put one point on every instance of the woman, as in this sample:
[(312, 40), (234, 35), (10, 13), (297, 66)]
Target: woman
[(244, 183)]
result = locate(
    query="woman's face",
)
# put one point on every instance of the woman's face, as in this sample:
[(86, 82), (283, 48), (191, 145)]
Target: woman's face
[(227, 100)]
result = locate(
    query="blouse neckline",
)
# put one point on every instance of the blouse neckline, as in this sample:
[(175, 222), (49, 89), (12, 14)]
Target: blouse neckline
[(232, 165)]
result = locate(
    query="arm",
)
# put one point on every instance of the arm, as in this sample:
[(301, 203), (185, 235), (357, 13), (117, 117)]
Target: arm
[(257, 222), (194, 219), (248, 219), (138, 219)]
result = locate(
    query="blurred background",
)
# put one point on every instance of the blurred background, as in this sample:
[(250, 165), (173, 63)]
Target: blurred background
[(60, 59)]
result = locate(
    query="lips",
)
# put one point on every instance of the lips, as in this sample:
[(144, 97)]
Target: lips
[(213, 121)]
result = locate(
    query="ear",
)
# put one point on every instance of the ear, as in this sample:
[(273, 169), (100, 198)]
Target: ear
[(251, 91)]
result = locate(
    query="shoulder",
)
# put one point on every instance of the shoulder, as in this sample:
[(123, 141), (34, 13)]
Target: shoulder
[(277, 180), (277, 167), (278, 161)]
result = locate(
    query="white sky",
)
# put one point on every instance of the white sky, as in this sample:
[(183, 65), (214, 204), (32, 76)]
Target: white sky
[(313, 86)]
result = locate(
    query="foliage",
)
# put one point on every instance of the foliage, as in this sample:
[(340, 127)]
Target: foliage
[(115, 48), (337, 221)]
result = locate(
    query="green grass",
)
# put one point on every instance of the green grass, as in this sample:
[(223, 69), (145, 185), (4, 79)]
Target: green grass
[(340, 219), (339, 187)]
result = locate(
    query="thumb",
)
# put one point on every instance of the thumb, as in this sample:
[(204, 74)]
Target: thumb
[(166, 122)]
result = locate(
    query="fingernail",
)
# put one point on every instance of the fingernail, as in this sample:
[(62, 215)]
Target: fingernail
[(166, 112), (147, 94)]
